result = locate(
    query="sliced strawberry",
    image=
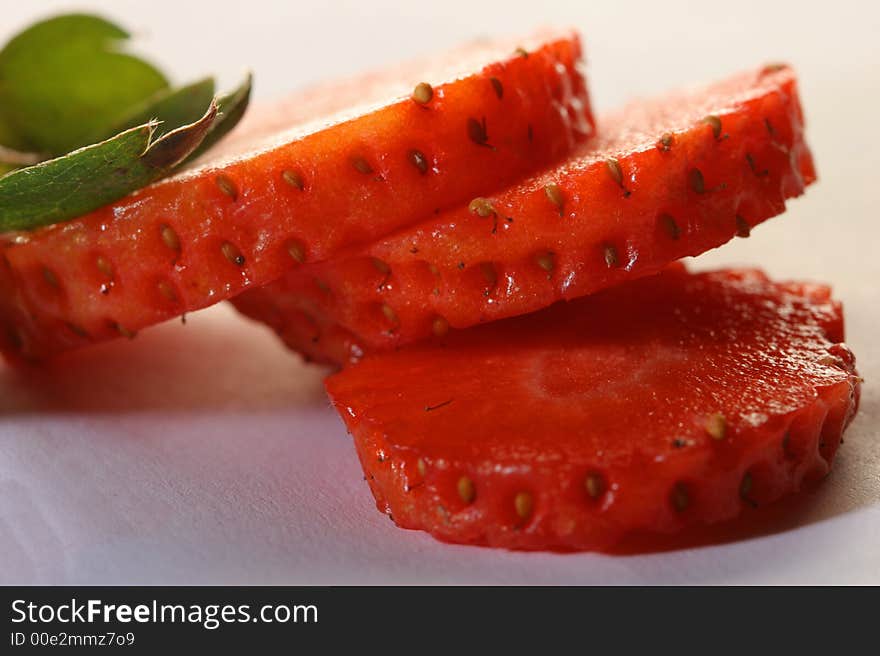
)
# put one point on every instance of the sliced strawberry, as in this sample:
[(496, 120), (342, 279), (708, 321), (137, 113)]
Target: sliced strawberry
[(305, 330), (667, 178), (300, 181), (670, 401)]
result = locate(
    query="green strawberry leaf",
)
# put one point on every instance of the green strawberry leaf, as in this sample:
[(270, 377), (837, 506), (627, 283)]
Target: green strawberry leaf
[(67, 78), (10, 158), (7, 135), (88, 178), (172, 108), (65, 84), (232, 106)]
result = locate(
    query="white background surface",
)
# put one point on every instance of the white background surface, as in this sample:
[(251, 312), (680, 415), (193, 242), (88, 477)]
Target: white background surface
[(205, 453)]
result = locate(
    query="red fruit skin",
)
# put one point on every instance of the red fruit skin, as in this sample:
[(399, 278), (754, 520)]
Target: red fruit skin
[(349, 145), (620, 386), (745, 135)]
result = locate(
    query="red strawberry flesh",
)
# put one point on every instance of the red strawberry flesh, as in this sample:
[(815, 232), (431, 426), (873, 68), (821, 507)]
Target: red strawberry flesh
[(671, 401), (297, 182), (666, 178)]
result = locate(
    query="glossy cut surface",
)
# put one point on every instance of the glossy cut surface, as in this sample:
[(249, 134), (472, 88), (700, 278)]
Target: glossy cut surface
[(666, 178), (666, 402)]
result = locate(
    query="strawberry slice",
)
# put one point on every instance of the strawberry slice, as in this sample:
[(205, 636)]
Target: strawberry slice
[(667, 178), (313, 335), (296, 183), (670, 401)]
